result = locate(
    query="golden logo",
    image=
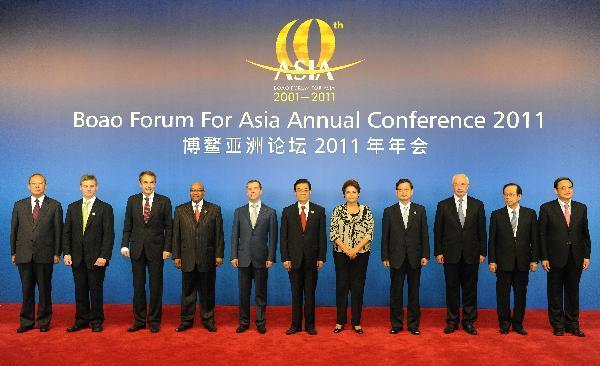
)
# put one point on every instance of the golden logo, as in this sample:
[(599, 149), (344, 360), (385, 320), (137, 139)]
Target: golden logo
[(304, 65)]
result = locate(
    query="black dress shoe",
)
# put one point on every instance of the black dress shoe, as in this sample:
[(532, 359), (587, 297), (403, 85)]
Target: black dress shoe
[(241, 329), (292, 330), (44, 328), (136, 327), (261, 329), (154, 328), (183, 327), (450, 329), (77, 327), (520, 331), (470, 329), (414, 331), (576, 332), (338, 330), (24, 329), (311, 331), (97, 328), (395, 330), (358, 330), (504, 331), (559, 332), (211, 328)]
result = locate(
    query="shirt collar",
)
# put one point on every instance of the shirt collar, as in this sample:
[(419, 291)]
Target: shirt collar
[(150, 196), (464, 198), (306, 206), (402, 206), (200, 204), (562, 203), (258, 204), (510, 210), (91, 200), (40, 199)]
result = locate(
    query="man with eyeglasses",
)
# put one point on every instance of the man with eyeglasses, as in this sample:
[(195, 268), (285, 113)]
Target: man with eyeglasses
[(565, 248), (513, 252)]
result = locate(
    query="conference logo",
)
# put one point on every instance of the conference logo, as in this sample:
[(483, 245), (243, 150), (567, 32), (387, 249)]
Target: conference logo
[(304, 67)]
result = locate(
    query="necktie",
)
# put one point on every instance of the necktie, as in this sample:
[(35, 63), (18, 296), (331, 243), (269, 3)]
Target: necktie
[(567, 214), (36, 210), (461, 214), (196, 213), (85, 213), (405, 216), (513, 222), (253, 215), (303, 218), (146, 210)]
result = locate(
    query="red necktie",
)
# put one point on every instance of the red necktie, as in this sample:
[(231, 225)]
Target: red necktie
[(146, 210), (567, 214), (196, 213), (36, 210), (303, 218)]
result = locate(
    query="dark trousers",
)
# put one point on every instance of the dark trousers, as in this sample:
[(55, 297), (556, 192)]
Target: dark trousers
[(461, 276), (350, 276), (89, 294), (397, 276), (155, 275), (518, 280), (563, 283), (33, 274), (194, 284), (245, 277), (304, 283)]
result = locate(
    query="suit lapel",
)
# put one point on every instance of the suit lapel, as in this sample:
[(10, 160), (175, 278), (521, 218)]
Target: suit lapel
[(412, 215), (92, 215), (558, 210), (506, 219), (43, 211), (205, 209), (246, 214), (455, 210)]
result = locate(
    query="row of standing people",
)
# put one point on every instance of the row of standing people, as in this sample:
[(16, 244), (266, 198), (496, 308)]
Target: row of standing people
[(197, 246)]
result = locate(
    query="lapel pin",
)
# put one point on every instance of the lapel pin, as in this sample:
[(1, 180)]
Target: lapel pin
[(93, 214), (312, 212)]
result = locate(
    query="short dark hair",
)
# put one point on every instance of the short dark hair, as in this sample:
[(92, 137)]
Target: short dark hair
[(350, 183), (562, 178), (302, 180), (254, 181), (404, 180), (519, 190), (88, 177), (37, 174), (147, 172)]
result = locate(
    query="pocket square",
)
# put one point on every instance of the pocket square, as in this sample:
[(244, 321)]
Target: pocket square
[(93, 214)]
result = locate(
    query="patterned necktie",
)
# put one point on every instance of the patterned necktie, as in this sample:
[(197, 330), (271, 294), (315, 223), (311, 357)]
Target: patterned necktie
[(567, 214), (303, 218), (147, 210), (461, 214), (254, 215), (85, 213), (36, 210), (405, 216), (513, 222), (196, 212)]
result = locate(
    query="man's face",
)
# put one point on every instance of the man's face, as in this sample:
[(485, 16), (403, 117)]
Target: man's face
[(197, 192), (404, 192), (302, 192), (147, 184), (88, 188), (253, 191), (37, 186), (460, 185), (511, 198), (564, 190)]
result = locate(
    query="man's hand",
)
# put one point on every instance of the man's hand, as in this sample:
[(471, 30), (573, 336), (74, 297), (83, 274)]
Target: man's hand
[(586, 263), (56, 259), (319, 265), (386, 263), (67, 260), (481, 259), (125, 251), (234, 262), (287, 265), (177, 262), (269, 264), (533, 266), (12, 258), (424, 261), (166, 255), (100, 262), (218, 262), (440, 259), (492, 267), (546, 265)]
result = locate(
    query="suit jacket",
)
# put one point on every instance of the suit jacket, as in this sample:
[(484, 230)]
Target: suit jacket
[(310, 244), (504, 248), (99, 237), (399, 243), (254, 246), (153, 237), (556, 237), (452, 240), (198, 243), (38, 242)]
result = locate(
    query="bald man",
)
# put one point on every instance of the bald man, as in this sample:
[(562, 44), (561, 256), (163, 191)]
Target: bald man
[(198, 247), (460, 245)]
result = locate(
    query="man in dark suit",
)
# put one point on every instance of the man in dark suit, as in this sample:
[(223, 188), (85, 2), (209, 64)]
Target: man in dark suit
[(88, 239), (405, 249), (513, 252), (460, 245), (35, 245), (303, 251), (565, 247), (253, 248), (198, 247), (147, 234)]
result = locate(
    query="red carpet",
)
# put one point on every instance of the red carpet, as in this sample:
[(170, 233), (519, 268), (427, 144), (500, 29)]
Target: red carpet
[(225, 347)]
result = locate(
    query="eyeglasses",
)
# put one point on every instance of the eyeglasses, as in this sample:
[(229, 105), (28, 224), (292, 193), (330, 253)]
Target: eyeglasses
[(196, 190)]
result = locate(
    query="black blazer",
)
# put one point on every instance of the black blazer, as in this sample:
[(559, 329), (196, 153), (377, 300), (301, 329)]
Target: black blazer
[(38, 242), (198, 243), (504, 248), (310, 244), (452, 240), (556, 237), (254, 246), (98, 239), (155, 236), (399, 243)]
